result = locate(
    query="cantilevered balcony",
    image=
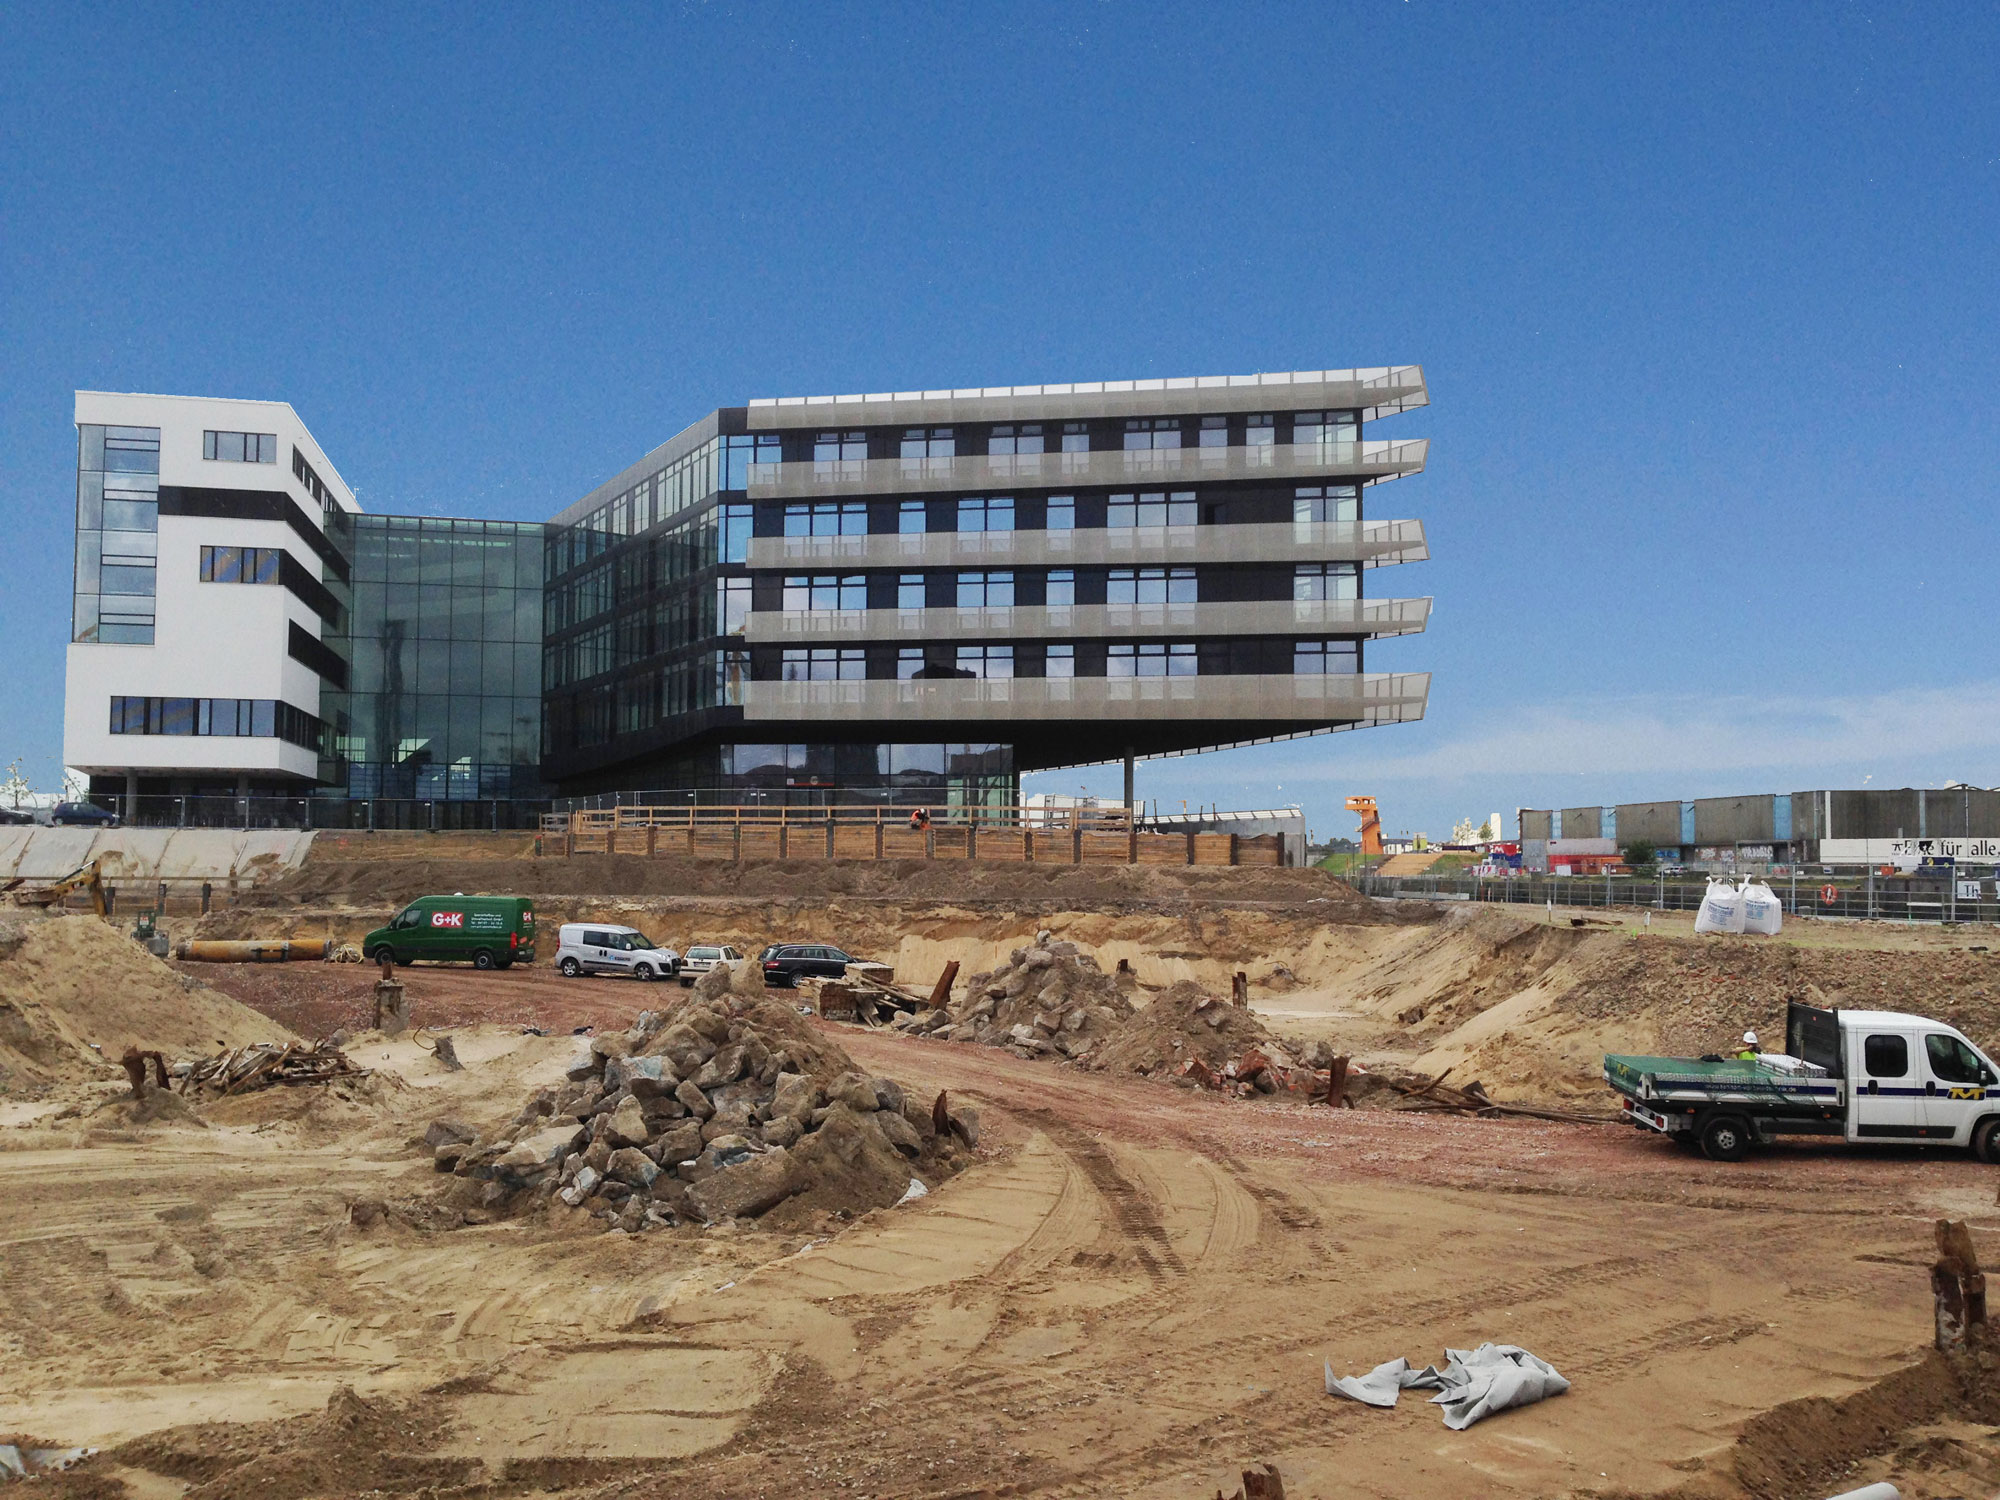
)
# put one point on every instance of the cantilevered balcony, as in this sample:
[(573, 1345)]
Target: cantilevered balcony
[(1288, 702), (1370, 543), (830, 478), (1374, 392), (1364, 617)]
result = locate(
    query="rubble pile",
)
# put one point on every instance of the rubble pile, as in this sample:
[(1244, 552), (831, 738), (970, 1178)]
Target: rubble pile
[(1189, 1034), (262, 1065), (1050, 1000), (727, 1105)]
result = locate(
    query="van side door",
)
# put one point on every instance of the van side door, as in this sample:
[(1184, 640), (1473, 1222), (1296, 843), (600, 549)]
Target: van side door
[(1888, 1083), (596, 955), (1956, 1085)]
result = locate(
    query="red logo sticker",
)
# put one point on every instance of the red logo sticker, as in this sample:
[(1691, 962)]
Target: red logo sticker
[(447, 919)]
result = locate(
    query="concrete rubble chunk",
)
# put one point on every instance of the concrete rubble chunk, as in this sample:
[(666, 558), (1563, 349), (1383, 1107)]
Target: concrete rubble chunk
[(584, 1064), (750, 1187), (448, 1132), (609, 1045), (628, 1125), (899, 1132), (694, 1099), (646, 1077), (633, 1168), (679, 1144), (725, 1067), (795, 1095), (888, 1094), (539, 1151)]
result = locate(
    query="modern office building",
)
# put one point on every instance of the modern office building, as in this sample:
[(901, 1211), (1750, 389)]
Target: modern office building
[(904, 597)]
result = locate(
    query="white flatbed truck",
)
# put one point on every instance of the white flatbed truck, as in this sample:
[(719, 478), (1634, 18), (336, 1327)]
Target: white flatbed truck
[(1862, 1075)]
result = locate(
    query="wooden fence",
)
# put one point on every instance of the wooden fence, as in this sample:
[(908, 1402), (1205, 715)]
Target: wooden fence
[(994, 834)]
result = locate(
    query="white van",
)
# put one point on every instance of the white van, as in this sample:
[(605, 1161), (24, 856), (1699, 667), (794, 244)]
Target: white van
[(600, 948)]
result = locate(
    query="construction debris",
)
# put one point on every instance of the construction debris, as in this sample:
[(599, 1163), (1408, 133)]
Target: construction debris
[(243, 1070), (1473, 1385), (1432, 1095), (1957, 1284), (1051, 1000), (25, 1461), (726, 1105), (1261, 1483)]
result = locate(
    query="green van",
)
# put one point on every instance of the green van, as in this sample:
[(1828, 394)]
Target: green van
[(488, 932)]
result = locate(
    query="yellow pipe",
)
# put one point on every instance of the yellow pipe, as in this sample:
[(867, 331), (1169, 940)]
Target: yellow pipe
[(216, 951)]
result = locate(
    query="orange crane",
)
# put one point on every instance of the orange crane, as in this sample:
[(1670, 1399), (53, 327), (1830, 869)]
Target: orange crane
[(1371, 823)]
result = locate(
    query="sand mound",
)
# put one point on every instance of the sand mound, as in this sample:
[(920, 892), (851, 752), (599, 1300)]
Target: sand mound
[(373, 881), (1184, 1022), (727, 1105), (72, 982)]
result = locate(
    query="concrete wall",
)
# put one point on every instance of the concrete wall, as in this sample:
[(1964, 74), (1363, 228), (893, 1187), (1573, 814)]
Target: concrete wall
[(1733, 820), (153, 853), (1582, 822), (1534, 823), (1655, 823)]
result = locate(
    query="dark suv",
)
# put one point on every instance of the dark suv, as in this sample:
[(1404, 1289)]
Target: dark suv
[(785, 963)]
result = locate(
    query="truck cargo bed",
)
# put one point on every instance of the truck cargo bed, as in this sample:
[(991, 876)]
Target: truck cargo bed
[(1691, 1081)]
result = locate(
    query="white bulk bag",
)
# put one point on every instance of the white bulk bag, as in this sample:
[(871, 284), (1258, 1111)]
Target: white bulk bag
[(1762, 911), (1721, 909)]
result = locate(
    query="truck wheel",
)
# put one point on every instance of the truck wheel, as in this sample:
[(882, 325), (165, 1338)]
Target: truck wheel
[(1725, 1138), (1986, 1142), (643, 973), (569, 968), (481, 959)]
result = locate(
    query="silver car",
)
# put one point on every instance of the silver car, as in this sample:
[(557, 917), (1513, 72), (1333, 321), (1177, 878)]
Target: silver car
[(704, 956), (600, 948)]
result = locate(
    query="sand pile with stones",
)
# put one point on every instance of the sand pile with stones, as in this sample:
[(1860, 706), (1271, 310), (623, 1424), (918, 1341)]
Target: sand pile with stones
[(1051, 999), (728, 1105), (75, 992)]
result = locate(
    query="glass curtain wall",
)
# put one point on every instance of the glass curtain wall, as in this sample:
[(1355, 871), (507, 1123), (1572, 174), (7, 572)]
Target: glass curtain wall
[(117, 534), (443, 641)]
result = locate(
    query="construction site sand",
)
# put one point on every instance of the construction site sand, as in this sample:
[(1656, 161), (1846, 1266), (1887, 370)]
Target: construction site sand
[(75, 993), (1130, 1293)]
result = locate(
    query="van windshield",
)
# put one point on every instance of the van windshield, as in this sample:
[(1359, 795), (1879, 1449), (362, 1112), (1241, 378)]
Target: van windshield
[(638, 940)]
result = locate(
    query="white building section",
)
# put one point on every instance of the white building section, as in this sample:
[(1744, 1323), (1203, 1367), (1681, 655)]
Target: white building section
[(208, 570)]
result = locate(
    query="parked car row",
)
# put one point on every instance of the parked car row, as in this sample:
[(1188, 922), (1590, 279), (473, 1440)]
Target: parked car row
[(62, 815), (497, 932)]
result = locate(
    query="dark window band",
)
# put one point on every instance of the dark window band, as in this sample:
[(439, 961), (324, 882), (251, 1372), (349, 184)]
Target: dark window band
[(252, 505), (301, 646), (252, 718)]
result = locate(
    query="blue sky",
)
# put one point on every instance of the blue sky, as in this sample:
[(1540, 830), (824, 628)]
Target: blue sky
[(1707, 299)]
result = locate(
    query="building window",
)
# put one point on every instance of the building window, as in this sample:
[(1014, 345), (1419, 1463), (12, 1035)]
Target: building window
[(1324, 658), (1260, 430), (1327, 502), (994, 514), (910, 592), (1215, 432), (1023, 439), (823, 591), (1155, 508), (253, 718), (986, 662), (1324, 428), (1076, 437), (928, 442), (732, 596), (1152, 432), (736, 528), (303, 472), (239, 564), (1151, 659), (117, 534), (1150, 586), (1061, 586), (833, 447), (912, 518), (1336, 580), (1061, 662), (240, 447), (825, 664), (732, 670), (1062, 513), (909, 663), (827, 518), (985, 590)]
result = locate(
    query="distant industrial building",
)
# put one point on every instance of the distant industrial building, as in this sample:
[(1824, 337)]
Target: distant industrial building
[(1865, 827)]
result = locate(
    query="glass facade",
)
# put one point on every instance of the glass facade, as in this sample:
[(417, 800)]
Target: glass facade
[(117, 534), (443, 640)]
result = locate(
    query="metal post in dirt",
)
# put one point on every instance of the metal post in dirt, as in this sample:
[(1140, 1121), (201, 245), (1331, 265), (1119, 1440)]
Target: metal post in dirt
[(1869, 911)]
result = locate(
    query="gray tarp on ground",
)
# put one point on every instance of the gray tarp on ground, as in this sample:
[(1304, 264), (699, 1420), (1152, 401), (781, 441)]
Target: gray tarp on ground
[(1471, 1385)]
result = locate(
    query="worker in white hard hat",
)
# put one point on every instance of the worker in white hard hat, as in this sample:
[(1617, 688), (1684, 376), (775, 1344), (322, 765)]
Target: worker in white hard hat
[(1749, 1052)]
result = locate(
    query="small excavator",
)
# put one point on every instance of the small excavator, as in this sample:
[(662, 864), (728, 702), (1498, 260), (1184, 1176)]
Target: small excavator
[(1371, 824), (88, 878)]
